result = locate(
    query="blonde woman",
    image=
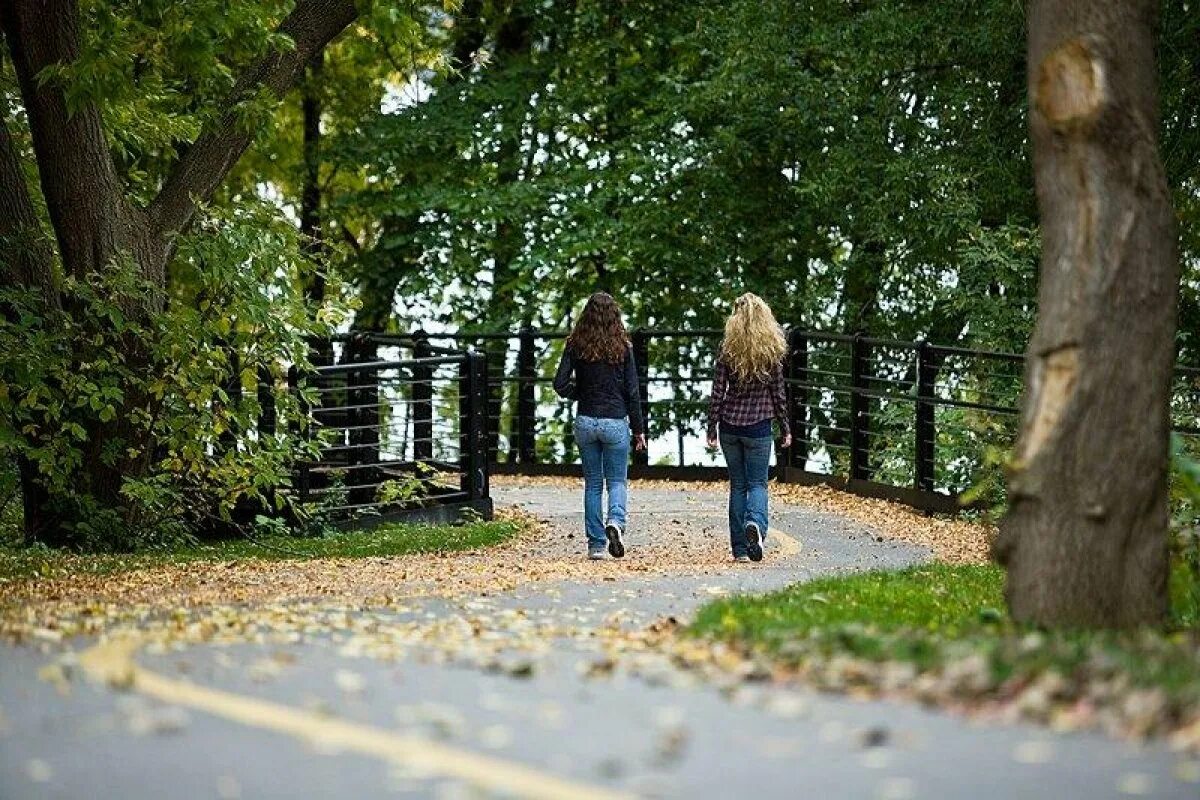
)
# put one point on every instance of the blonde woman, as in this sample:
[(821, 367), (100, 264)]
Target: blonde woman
[(747, 394)]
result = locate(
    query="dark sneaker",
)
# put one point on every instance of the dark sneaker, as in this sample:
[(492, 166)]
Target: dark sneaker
[(754, 542), (596, 555), (616, 547)]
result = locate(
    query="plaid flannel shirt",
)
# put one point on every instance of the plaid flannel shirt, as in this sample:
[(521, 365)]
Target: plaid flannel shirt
[(736, 404)]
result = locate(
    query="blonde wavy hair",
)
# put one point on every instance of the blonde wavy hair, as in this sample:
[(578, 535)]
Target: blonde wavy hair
[(754, 345)]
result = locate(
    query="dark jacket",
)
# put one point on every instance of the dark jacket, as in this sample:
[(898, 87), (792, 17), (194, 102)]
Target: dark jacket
[(607, 391)]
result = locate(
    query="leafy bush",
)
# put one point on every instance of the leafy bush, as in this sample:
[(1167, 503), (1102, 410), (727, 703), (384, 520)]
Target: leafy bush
[(162, 391)]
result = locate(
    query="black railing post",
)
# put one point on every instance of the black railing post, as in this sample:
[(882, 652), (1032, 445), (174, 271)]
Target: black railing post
[(798, 398), (494, 389), (267, 418), (365, 417), (355, 438), (422, 399), (350, 417), (466, 389), (232, 387), (267, 415), (526, 397), (641, 358), (303, 409), (926, 430), (860, 410), (473, 436)]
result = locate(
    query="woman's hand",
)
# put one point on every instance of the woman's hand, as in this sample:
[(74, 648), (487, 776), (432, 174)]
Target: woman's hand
[(712, 441), (639, 441), (787, 441)]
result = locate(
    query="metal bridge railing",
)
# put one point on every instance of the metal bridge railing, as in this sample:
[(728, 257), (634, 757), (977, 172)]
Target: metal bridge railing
[(400, 430), (912, 421)]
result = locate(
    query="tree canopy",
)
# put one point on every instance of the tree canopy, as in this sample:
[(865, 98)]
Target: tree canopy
[(192, 190)]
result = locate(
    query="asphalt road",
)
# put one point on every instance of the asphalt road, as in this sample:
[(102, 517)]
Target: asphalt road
[(531, 693)]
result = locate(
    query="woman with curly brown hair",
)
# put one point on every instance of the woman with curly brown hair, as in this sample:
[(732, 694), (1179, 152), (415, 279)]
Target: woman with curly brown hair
[(747, 394), (598, 371)]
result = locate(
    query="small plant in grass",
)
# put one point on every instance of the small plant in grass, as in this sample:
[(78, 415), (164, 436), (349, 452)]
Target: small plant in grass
[(412, 488), (265, 526), (316, 518)]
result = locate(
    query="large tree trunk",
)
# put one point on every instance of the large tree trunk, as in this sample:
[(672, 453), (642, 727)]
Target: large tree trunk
[(1085, 536)]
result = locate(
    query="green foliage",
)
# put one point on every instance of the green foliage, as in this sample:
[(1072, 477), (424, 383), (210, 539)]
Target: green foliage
[(722, 144), (370, 66), (412, 488), (1185, 522), (676, 154), (162, 394), (158, 69), (679, 154)]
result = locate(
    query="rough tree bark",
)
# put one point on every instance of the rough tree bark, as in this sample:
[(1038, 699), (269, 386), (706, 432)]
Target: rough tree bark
[(1085, 536), (26, 253), (94, 221)]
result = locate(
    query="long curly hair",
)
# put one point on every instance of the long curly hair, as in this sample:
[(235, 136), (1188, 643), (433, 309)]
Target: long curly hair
[(599, 333), (753, 345)]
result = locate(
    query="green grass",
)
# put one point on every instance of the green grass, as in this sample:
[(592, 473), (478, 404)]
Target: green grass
[(904, 615), (937, 599), (19, 562), (932, 616), (933, 598)]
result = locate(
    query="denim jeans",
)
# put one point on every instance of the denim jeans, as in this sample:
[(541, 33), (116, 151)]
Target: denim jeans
[(748, 460), (604, 450)]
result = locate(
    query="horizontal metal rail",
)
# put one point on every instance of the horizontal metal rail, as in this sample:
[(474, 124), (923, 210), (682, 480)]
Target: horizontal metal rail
[(863, 409)]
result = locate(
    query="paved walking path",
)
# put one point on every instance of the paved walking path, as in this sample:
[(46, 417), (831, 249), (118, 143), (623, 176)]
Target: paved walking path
[(545, 690)]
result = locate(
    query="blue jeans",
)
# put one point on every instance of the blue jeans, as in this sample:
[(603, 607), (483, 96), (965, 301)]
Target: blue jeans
[(604, 450), (748, 460)]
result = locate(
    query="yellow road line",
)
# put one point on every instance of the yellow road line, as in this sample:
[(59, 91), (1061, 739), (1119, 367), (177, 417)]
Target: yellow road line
[(786, 545), (112, 662)]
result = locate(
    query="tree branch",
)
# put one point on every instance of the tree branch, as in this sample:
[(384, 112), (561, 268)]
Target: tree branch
[(311, 25), (351, 240)]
